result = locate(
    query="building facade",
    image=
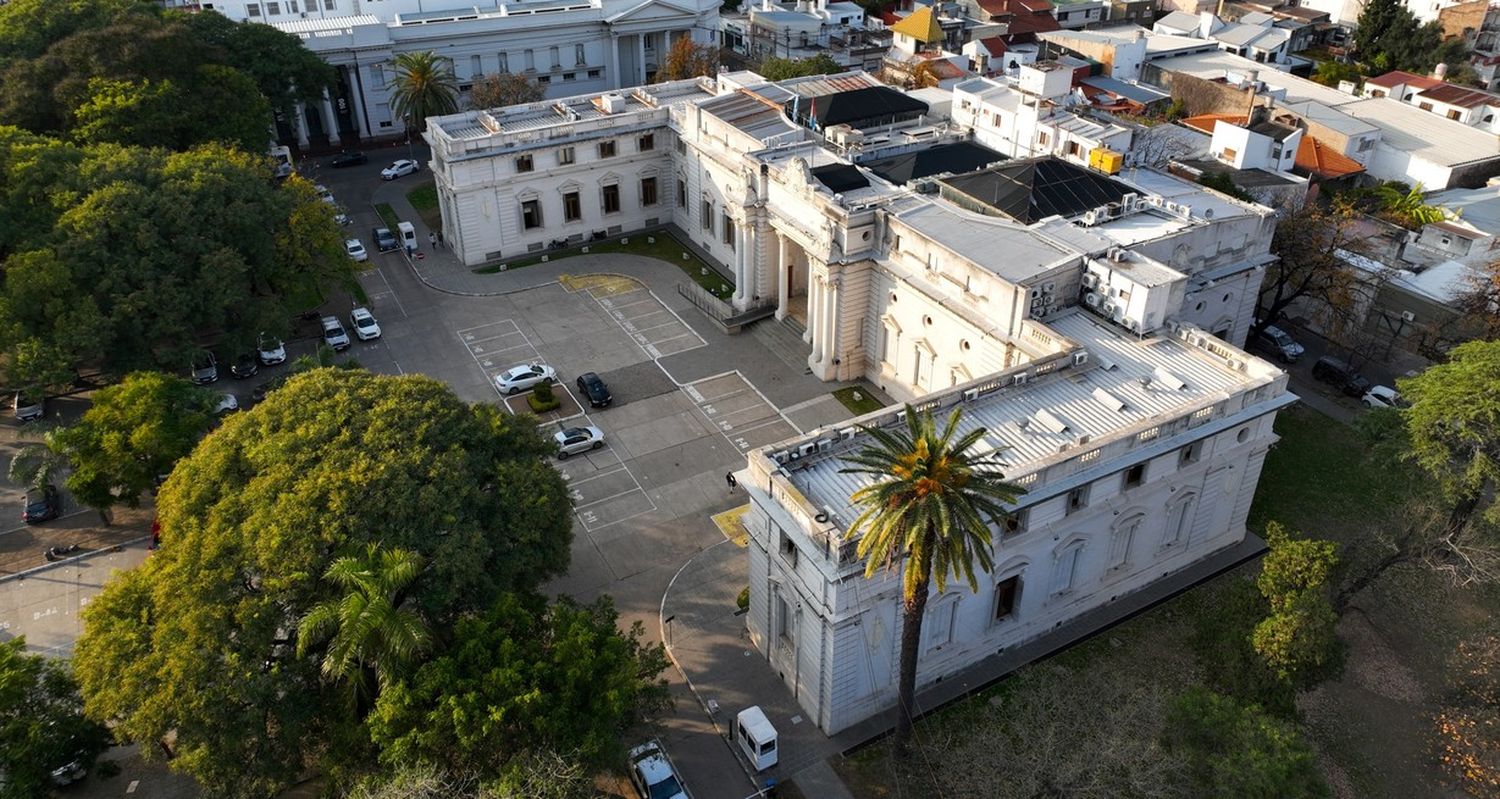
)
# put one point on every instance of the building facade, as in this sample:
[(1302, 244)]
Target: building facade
[(1090, 321)]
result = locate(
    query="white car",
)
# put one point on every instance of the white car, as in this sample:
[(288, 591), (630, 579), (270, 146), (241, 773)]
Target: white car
[(342, 219), (404, 166), (324, 194), (519, 378), (227, 403), (364, 324), (270, 350), (334, 335), (1383, 397), (577, 439), (356, 250), (653, 775)]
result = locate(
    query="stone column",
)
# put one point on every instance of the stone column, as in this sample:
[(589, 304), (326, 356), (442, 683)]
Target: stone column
[(301, 114), (831, 329), (740, 261), (640, 51), (614, 62), (357, 101), (815, 315), (332, 124), (780, 271)]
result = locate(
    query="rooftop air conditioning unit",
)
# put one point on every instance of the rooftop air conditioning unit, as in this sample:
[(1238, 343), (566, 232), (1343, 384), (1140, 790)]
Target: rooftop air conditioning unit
[(971, 394), (782, 457), (1090, 218), (1090, 280), (1018, 380), (825, 444), (1080, 358), (1093, 300), (808, 448), (612, 103), (848, 433), (1110, 307)]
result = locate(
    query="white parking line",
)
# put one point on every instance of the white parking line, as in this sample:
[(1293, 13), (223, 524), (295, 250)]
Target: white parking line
[(576, 481), (610, 497), (653, 327), (399, 306), (674, 338)]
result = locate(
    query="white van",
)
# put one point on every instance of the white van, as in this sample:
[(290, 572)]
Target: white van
[(756, 736), (407, 233)]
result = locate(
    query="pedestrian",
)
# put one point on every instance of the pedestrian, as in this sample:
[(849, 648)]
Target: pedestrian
[(440, 238), (729, 478), (432, 239)]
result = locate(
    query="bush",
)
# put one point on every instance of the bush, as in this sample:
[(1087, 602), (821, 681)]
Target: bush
[(543, 399), (1222, 644), (743, 600), (1236, 751)]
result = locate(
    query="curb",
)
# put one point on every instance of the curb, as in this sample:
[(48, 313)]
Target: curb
[(70, 561)]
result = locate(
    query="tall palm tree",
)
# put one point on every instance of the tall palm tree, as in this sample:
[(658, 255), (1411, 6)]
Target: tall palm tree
[(425, 86), (928, 513), (39, 464), (367, 631)]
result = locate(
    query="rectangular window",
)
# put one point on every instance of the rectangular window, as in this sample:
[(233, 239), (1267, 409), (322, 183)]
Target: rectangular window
[(569, 76), (707, 215), (273, 8), (1015, 524), (1134, 476), (578, 56), (530, 61), (1078, 499), (291, 6), (523, 163), (938, 630), (565, 156), (531, 214), (1007, 591), (1066, 574), (729, 230), (783, 621), (646, 143), (681, 194), (330, 5), (648, 191), (1454, 114), (545, 79), (252, 10), (572, 208), (377, 76), (1189, 454), (556, 58), (504, 63), (611, 199), (594, 74), (606, 149), (1230, 153), (476, 66)]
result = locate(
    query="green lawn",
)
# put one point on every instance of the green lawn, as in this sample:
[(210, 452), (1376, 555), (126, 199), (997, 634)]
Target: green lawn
[(858, 400), (665, 248), (424, 199), (387, 215)]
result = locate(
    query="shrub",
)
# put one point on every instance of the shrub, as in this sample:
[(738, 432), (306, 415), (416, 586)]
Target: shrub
[(743, 600), (543, 399)]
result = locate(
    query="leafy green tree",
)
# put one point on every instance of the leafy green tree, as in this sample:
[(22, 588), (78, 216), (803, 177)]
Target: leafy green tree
[(200, 641), (1236, 751), (1298, 639), (283, 71), (480, 705), (928, 512), (533, 775), (151, 251), (425, 86), (39, 464), (133, 433), (41, 722), (369, 634), (498, 91), (773, 68), (1332, 73), (1409, 207), (1222, 644)]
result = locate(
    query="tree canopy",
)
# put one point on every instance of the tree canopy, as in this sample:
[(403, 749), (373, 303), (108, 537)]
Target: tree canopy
[(1235, 751), (41, 722), (133, 73), (425, 86), (1453, 428), (121, 258), (1389, 36), (688, 59), (773, 68), (200, 640), (498, 91)]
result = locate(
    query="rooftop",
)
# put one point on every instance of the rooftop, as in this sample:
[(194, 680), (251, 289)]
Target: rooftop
[(1244, 178), (952, 158), (1461, 96), (1479, 208), (978, 238), (921, 25), (1330, 117), (1427, 135), (1179, 20), (1398, 77), (1144, 95), (1319, 159), (1036, 188), (871, 105)]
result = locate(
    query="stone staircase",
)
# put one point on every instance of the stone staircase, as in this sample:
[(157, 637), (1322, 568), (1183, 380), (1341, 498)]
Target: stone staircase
[(784, 339)]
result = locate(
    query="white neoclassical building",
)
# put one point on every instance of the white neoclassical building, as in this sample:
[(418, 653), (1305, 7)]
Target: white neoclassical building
[(569, 46), (1089, 321)]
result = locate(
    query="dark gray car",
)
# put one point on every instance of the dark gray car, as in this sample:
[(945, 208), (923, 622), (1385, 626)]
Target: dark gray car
[(385, 240), (1341, 375)]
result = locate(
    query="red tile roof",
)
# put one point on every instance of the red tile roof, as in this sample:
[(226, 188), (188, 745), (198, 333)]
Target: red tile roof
[(994, 45), (1319, 159), (1397, 76), (1206, 122), (1461, 96), (1001, 8)]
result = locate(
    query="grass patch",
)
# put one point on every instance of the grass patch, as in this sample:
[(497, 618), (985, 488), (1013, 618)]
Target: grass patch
[(387, 215), (858, 400), (424, 199), (664, 248)]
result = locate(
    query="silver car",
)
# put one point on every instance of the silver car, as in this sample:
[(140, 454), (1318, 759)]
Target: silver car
[(520, 378), (29, 408), (577, 439), (334, 335)]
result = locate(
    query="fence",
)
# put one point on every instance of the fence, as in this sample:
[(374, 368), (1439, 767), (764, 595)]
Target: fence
[(722, 313)]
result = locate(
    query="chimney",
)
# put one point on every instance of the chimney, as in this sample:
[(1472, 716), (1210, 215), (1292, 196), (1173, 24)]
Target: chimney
[(1440, 72)]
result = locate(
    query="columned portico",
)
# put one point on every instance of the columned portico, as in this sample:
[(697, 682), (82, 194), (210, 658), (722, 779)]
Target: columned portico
[(301, 115), (741, 263), (782, 255), (331, 120)]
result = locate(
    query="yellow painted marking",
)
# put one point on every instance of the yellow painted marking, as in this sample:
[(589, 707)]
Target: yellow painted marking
[(731, 524)]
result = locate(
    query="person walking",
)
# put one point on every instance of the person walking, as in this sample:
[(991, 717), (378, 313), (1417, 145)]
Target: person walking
[(440, 237), (729, 478), (432, 239)]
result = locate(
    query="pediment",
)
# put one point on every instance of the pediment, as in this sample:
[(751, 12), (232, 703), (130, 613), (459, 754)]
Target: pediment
[(652, 10)]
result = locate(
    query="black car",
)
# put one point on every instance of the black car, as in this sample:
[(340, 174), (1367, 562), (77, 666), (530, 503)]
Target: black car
[(348, 159), (594, 388), (42, 504), (244, 366), (385, 240), (1340, 375)]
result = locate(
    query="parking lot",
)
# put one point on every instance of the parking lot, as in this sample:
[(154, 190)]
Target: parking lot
[(656, 328), (739, 411)]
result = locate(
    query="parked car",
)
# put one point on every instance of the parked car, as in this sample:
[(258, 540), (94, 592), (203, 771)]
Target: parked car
[(1340, 375), (1383, 397), (348, 159), (385, 240), (259, 392), (356, 250), (577, 439), (519, 378), (29, 408), (270, 350), (228, 403), (42, 504), (204, 368), (334, 335), (592, 386), (365, 326), (324, 194), (653, 775), (69, 772), (342, 218), (244, 366), (1276, 340), (404, 166)]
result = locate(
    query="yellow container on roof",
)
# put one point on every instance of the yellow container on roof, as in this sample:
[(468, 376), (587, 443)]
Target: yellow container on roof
[(1106, 160)]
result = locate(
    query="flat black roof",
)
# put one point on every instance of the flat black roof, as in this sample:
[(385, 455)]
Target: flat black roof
[(954, 158), (840, 177), (871, 105), (1034, 189)]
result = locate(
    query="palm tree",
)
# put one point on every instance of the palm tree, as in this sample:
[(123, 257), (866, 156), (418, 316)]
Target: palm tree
[(425, 86), (367, 630), (929, 513), (39, 464)]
